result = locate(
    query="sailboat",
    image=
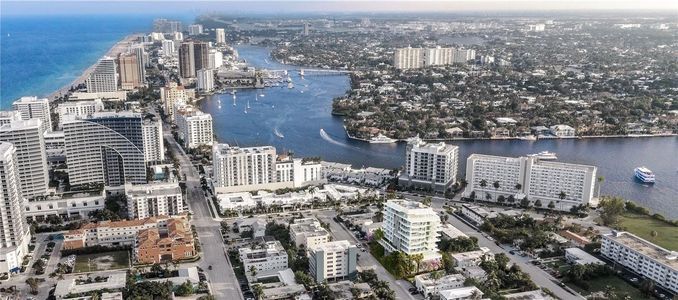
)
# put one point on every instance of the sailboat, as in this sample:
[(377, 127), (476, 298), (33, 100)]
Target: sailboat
[(256, 97), (248, 104), (233, 101)]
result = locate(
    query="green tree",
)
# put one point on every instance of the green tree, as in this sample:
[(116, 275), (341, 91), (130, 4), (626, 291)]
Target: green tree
[(185, 289), (551, 205), (33, 285), (537, 203), (601, 179), (258, 291), (253, 271), (612, 209), (496, 186)]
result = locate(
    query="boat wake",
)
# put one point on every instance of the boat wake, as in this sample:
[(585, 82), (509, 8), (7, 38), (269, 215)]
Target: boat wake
[(329, 139), (277, 133)]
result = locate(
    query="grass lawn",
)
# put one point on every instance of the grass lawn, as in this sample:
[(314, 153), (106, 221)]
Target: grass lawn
[(620, 286), (642, 226), (101, 261)]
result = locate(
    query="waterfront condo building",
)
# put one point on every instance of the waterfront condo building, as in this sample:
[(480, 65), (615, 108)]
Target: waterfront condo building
[(220, 35), (105, 147), (332, 260), (142, 60), (104, 77), (299, 171), (205, 80), (195, 29), (154, 143), (216, 59), (430, 166), (529, 177), (195, 127), (154, 199), (642, 257), (408, 58), (34, 107), (263, 256), (31, 158), (243, 167), (79, 108), (308, 232), (193, 56), (130, 76), (173, 93), (410, 227), (15, 231)]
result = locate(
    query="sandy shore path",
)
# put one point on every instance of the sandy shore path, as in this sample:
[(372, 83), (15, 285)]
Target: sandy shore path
[(118, 48)]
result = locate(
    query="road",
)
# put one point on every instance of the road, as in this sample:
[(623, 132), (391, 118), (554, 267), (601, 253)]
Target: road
[(222, 278), (366, 260)]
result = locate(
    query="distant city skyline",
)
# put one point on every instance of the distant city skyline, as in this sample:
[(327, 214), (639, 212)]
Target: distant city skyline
[(291, 7)]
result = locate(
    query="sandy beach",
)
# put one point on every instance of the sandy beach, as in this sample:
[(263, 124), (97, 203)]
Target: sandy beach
[(118, 48)]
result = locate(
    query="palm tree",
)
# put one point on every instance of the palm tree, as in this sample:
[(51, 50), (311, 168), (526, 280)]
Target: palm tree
[(417, 258), (33, 285), (518, 186), (253, 271), (496, 188), (258, 291), (601, 179), (562, 195), (483, 183)]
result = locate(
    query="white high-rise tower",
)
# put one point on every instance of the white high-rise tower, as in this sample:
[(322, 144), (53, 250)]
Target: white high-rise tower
[(14, 232)]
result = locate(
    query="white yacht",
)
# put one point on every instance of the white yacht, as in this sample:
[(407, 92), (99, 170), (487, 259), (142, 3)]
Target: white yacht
[(544, 155), (644, 174), (382, 139)]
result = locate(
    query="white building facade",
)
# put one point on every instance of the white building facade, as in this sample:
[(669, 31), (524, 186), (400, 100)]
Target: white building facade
[(332, 260), (269, 256), (154, 143), (34, 107), (431, 166), (195, 128), (104, 77), (79, 108), (410, 227), (31, 155), (15, 231), (154, 199)]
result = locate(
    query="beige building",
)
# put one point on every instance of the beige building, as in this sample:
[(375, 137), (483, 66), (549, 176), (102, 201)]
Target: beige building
[(130, 78), (308, 232)]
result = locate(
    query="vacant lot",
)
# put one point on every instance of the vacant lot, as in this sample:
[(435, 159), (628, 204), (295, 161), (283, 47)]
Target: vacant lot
[(620, 286), (102, 261), (642, 226)]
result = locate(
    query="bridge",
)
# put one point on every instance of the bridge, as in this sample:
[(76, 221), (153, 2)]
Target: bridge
[(309, 72)]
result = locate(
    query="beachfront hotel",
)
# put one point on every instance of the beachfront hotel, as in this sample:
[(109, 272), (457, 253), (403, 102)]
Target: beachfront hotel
[(79, 108), (130, 76), (34, 107), (15, 231), (105, 147), (154, 199), (411, 227), (529, 177), (31, 158), (431, 166), (104, 77), (642, 257)]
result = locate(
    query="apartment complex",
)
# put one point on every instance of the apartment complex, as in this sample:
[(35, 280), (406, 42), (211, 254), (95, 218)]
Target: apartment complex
[(105, 147), (114, 233), (31, 158), (172, 243), (195, 29), (220, 35), (243, 167), (308, 232), (171, 94), (9, 116), (66, 205), (430, 166), (264, 256), (195, 127), (79, 108), (332, 260), (413, 58), (205, 82), (130, 71), (642, 257), (530, 177), (154, 199), (15, 231), (410, 227), (34, 107), (193, 56), (298, 171), (168, 48), (104, 77), (154, 142)]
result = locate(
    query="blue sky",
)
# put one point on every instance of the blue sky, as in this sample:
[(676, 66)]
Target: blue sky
[(276, 6)]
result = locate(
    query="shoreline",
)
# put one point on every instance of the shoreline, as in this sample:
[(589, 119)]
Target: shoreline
[(119, 47)]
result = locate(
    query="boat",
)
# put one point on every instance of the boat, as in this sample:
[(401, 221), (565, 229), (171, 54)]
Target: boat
[(290, 85), (382, 139), (233, 92), (262, 95), (544, 155), (248, 104), (528, 138), (644, 174), (278, 134)]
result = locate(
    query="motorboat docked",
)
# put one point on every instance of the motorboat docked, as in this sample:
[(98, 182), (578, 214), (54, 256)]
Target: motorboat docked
[(544, 155), (382, 139), (644, 174)]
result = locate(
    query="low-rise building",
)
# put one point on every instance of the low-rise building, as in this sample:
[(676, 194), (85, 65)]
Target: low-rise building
[(308, 232), (430, 284), (83, 284), (255, 225), (476, 214), (332, 260), (473, 272), (74, 205), (529, 295), (450, 232), (463, 293), (580, 257), (471, 258), (575, 239), (264, 256), (175, 243), (562, 130), (642, 257)]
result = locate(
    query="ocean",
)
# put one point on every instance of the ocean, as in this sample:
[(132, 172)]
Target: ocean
[(40, 54)]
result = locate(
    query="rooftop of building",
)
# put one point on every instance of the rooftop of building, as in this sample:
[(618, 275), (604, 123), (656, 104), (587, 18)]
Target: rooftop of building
[(664, 256), (471, 254), (83, 283), (30, 99), (21, 124), (460, 293), (410, 205), (263, 249), (583, 258), (307, 226), (335, 246), (421, 145), (227, 149), (529, 295), (426, 279), (153, 189), (177, 232)]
